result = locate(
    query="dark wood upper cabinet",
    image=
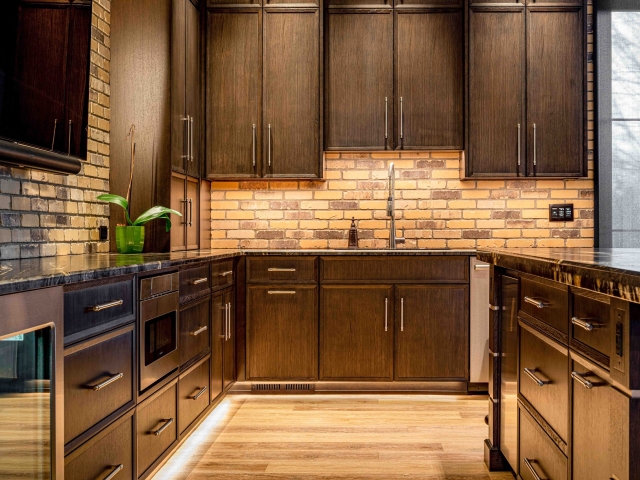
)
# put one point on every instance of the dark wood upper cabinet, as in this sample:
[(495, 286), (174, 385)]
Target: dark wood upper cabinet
[(432, 335), (356, 332), (291, 80), (233, 92), (555, 93), (359, 80), (496, 101), (430, 79), (193, 89)]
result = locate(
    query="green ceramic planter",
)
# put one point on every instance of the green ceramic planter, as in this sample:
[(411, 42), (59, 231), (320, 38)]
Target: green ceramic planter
[(129, 239)]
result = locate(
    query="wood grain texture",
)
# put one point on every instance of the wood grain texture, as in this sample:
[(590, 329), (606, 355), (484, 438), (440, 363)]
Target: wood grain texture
[(337, 436), (545, 458), (555, 297), (597, 341), (282, 332), (193, 88), (496, 92), (291, 82), (189, 290), (432, 333), (355, 344), (286, 269), (555, 92), (190, 385), (359, 75), (194, 317), (233, 92), (179, 204), (217, 341), (179, 129), (430, 79), (193, 222)]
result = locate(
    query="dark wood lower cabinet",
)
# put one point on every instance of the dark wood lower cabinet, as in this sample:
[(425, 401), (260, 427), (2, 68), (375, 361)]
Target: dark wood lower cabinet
[(432, 335), (193, 392), (356, 334), (218, 322), (539, 456), (282, 332), (194, 329)]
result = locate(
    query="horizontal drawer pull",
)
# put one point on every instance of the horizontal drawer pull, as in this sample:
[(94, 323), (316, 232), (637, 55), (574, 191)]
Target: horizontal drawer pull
[(109, 381), (104, 306), (535, 302), (527, 462), (532, 376), (281, 292), (581, 380), (494, 308), (114, 472), (163, 427), (227, 273), (481, 267), (198, 331), (199, 281), (582, 323), (197, 395), (281, 269)]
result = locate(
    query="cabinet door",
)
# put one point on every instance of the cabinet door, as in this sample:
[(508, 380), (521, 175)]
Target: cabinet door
[(179, 121), (291, 93), (555, 93), (179, 204), (218, 322), (234, 53), (193, 213), (432, 334), (359, 81), (496, 93), (193, 90), (229, 360), (430, 80), (356, 332), (282, 332)]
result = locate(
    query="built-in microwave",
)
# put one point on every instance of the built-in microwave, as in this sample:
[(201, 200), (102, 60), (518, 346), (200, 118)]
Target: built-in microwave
[(158, 327)]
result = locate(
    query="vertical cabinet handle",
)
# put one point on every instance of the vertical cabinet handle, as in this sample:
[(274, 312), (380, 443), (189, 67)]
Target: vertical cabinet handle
[(386, 118), (401, 119), (229, 319), (527, 462), (519, 147), (402, 314), (386, 314), (535, 153), (185, 217), (69, 147), (190, 212), (191, 139), (253, 150), (269, 149), (186, 120), (116, 470)]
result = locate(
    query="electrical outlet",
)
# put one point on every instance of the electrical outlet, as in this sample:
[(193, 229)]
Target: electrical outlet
[(561, 213), (104, 233)]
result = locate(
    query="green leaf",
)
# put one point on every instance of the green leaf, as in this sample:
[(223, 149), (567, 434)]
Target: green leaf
[(156, 212), (118, 200)]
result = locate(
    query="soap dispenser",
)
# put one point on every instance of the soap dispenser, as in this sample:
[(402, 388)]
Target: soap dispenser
[(353, 234)]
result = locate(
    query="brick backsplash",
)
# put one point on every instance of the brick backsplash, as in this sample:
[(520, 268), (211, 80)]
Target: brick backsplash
[(43, 214)]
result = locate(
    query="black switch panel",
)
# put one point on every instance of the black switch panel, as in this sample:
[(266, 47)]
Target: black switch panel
[(104, 232), (561, 213), (619, 345)]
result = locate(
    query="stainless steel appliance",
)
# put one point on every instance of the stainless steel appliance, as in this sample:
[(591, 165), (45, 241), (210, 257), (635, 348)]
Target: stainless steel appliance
[(479, 324), (32, 385), (158, 327)]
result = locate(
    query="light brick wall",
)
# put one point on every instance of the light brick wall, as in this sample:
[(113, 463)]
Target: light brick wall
[(43, 214)]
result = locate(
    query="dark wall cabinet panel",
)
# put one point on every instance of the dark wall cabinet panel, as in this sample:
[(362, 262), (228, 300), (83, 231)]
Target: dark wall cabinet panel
[(496, 120), (291, 93), (193, 90), (430, 80), (356, 334), (234, 52), (432, 332), (555, 90), (358, 79)]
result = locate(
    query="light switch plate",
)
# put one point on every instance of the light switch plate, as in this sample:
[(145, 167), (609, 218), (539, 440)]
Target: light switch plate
[(561, 213)]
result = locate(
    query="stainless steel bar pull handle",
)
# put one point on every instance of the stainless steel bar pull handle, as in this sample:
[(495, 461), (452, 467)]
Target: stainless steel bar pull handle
[(386, 314), (386, 118), (69, 146), (581, 380), (482, 266), (191, 144), (229, 319), (114, 472), (199, 281), (163, 427), (107, 382), (227, 273), (104, 306), (186, 119), (281, 292), (582, 323), (519, 145), (401, 119), (186, 213), (269, 149), (402, 314), (190, 211), (281, 269), (253, 152), (535, 153), (535, 302), (527, 462), (197, 332), (199, 394), (532, 376)]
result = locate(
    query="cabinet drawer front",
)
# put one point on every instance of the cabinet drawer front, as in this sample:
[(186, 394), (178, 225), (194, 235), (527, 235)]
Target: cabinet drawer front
[(157, 427), (222, 274), (110, 453), (452, 269), (195, 330), (98, 380), (544, 381), (194, 394), (282, 269), (539, 453), (96, 308), (194, 282), (547, 303), (590, 326)]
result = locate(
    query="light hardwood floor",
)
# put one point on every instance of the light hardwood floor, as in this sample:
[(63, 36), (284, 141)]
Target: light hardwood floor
[(388, 437)]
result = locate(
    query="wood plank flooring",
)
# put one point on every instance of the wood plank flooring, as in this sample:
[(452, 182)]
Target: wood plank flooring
[(353, 437)]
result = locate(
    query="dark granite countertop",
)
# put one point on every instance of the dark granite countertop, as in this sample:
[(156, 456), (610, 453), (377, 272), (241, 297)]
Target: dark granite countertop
[(612, 271), (34, 273)]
